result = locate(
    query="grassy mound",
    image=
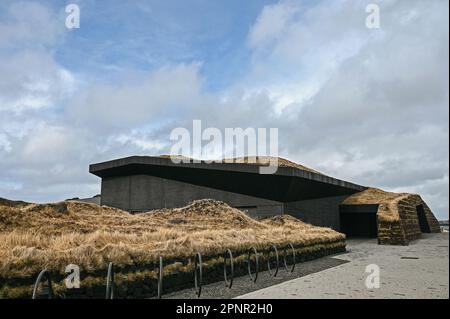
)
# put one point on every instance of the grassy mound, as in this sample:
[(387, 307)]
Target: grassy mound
[(387, 200), (397, 215), (34, 237)]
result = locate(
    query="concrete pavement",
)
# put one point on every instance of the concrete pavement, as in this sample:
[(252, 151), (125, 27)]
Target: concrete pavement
[(420, 270)]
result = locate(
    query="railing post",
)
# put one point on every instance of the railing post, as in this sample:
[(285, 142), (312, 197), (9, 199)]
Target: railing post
[(160, 277), (43, 273), (274, 248), (253, 278), (110, 282), (285, 258), (228, 255), (198, 279)]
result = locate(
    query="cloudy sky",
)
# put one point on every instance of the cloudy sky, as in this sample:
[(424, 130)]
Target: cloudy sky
[(366, 105)]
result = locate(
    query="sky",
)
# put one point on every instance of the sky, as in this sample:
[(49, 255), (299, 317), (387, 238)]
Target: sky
[(369, 106)]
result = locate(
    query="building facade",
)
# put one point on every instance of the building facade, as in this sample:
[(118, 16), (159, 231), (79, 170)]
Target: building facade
[(140, 183), (143, 183)]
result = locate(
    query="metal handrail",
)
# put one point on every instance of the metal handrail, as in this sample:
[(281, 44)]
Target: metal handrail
[(228, 255), (291, 270), (110, 282), (253, 278), (43, 273), (160, 277), (198, 271), (274, 248), (198, 279)]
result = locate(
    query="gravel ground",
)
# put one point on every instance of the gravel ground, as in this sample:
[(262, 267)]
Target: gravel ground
[(243, 285), (420, 270)]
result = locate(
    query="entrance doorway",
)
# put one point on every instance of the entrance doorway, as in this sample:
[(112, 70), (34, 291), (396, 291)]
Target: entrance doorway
[(359, 220), (423, 222)]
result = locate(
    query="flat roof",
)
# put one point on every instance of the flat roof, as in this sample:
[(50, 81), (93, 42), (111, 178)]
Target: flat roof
[(287, 184)]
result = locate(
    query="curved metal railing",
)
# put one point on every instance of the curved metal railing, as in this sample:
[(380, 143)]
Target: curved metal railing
[(198, 279), (228, 256), (228, 271), (44, 273), (110, 282), (269, 267), (290, 270), (160, 277), (249, 262)]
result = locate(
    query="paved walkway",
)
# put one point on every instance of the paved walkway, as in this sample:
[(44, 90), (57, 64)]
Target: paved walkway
[(243, 285), (420, 270)]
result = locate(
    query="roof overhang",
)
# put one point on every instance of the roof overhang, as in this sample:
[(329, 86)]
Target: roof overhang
[(286, 185)]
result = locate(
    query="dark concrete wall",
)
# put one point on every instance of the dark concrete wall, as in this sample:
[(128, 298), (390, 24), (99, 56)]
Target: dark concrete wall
[(138, 193), (320, 212), (116, 192)]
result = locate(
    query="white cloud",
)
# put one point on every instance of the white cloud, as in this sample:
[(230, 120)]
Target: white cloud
[(142, 142), (272, 22), (46, 143), (139, 100), (379, 115), (366, 105), (33, 87), (5, 144), (27, 25), (32, 80), (304, 47)]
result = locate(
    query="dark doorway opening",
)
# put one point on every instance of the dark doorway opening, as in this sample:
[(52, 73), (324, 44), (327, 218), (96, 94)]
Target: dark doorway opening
[(359, 220), (423, 222)]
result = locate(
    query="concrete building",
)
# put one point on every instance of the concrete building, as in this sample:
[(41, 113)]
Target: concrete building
[(142, 183)]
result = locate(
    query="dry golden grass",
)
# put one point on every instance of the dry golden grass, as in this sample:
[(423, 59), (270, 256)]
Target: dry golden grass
[(372, 196), (266, 160), (387, 201), (254, 160), (33, 237)]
